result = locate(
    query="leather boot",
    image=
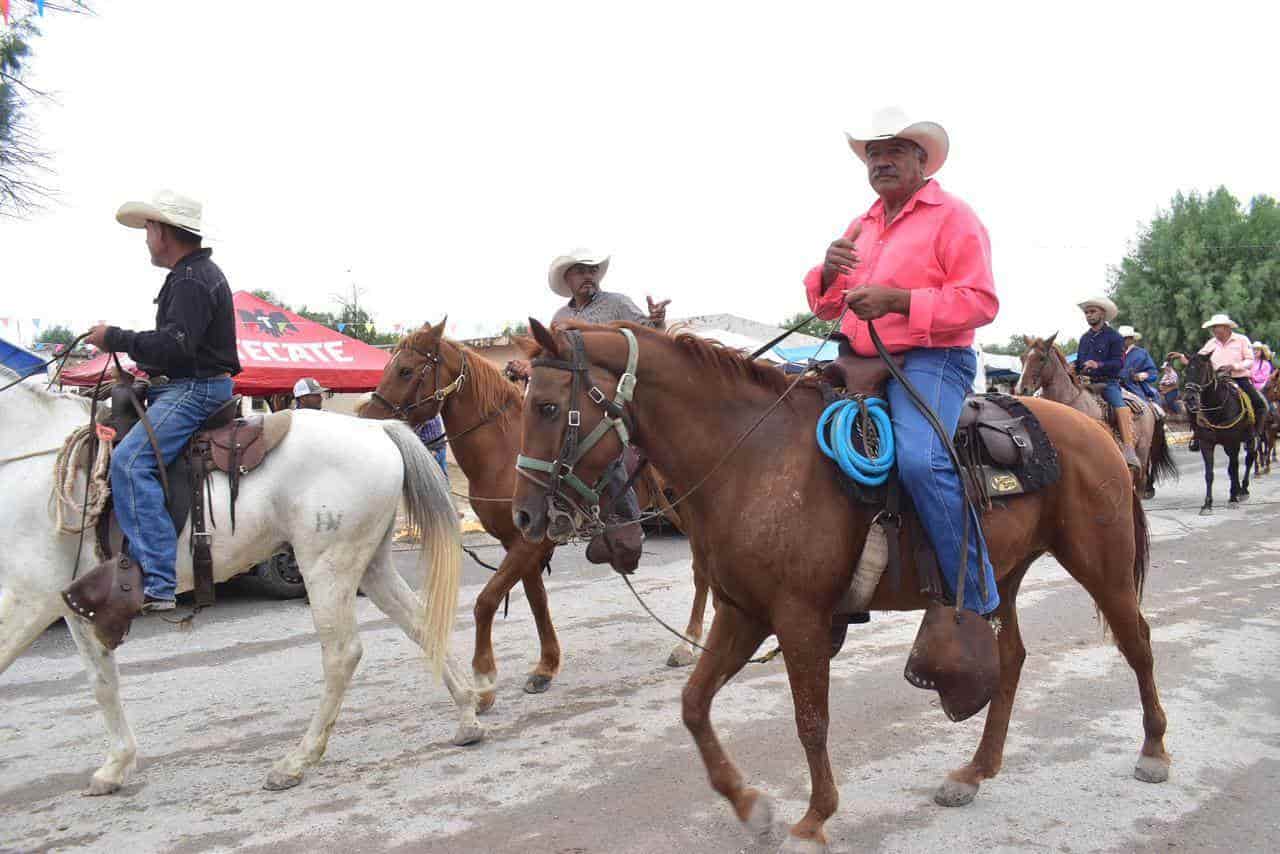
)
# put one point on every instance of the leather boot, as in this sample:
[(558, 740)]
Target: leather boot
[(109, 596), (1128, 442)]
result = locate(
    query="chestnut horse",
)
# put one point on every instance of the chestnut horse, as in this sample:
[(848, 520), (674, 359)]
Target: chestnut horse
[(780, 536), (1270, 427), (1045, 369), (480, 413)]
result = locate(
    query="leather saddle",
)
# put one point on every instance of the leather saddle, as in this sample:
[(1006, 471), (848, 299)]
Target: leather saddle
[(110, 595)]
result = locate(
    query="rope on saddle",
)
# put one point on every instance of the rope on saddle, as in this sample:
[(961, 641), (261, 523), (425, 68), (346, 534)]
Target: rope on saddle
[(861, 440), (66, 471)]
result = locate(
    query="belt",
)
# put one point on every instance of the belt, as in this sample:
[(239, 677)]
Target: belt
[(165, 380)]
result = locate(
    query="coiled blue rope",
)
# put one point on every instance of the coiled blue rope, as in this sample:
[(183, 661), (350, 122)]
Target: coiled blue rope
[(842, 416)]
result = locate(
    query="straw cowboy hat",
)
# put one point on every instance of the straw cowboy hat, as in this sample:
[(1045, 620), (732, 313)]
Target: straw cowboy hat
[(1129, 332), (555, 276), (1109, 310), (891, 123), (167, 207), (1219, 320), (1266, 351)]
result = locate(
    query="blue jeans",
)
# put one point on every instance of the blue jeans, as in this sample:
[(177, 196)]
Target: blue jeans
[(176, 411), (942, 377), (1112, 395)]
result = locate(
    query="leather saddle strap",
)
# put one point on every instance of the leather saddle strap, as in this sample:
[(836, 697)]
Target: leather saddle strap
[(891, 521), (201, 549), (233, 475)]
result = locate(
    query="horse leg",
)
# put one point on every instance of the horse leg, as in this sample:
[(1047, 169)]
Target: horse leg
[(1206, 454), (521, 559), (1104, 564), (333, 610), (548, 666), (805, 639), (104, 676), (961, 785), (1233, 473), (683, 655), (23, 616), (386, 589), (1250, 460), (732, 640)]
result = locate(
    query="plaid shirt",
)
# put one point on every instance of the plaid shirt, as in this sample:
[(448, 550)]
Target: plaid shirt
[(605, 307)]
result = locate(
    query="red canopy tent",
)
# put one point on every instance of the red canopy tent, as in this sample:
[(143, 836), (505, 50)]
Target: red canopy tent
[(277, 348)]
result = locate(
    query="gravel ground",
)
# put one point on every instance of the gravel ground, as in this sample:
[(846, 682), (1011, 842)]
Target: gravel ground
[(602, 763)]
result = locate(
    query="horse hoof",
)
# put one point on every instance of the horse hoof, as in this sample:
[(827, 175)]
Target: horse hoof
[(485, 701), (98, 788), (759, 819), (1243, 498), (681, 656), (278, 781), (795, 845), (1151, 769), (955, 793), (1206, 511), (468, 734), (537, 684)]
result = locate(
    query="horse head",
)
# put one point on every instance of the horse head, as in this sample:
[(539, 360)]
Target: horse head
[(425, 368), (571, 483), (1037, 363)]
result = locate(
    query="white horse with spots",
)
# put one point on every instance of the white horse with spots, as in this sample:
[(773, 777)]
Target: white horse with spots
[(350, 474)]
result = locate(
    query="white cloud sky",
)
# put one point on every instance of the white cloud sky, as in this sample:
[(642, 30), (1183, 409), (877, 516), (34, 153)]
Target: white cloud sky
[(444, 153)]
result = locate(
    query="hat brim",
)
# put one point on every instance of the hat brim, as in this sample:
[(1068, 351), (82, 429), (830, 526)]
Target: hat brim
[(138, 214), (930, 136), (1109, 309), (555, 276), (1218, 321)]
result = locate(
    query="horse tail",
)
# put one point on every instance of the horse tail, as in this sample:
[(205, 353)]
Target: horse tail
[(1160, 464), (433, 517), (1142, 545)]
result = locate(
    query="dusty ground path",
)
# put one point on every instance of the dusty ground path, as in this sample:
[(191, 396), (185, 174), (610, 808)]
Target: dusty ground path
[(602, 763)]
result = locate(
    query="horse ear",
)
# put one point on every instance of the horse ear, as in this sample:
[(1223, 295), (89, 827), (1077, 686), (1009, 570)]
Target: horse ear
[(438, 329), (544, 337), (1027, 341), (1049, 341)]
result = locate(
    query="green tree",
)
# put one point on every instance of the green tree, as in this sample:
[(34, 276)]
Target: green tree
[(24, 164), (815, 327), (1203, 255), (56, 335), (269, 296)]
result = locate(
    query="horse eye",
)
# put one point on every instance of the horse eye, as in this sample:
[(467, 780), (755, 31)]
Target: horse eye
[(549, 410), (405, 373)]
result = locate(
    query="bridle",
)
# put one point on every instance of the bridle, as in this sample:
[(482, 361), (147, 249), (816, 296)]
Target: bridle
[(432, 361), (579, 511)]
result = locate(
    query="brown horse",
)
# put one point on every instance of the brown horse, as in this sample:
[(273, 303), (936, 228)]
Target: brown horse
[(780, 536), (1270, 427), (480, 413), (1045, 369)]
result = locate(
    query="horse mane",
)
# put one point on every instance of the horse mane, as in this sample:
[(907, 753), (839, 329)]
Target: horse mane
[(1066, 366), (492, 389), (716, 358)]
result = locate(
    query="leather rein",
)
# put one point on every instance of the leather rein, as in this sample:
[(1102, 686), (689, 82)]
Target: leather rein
[(432, 361)]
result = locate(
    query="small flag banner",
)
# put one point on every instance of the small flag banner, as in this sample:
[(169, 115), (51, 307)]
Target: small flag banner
[(4, 10)]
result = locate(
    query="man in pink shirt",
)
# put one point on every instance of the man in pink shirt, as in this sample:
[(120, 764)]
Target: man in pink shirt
[(1230, 353), (918, 263)]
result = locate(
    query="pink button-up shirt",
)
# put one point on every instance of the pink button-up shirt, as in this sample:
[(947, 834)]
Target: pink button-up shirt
[(937, 249), (1236, 354)]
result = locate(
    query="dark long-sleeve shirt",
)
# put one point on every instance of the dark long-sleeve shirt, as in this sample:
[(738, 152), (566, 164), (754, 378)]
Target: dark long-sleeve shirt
[(1104, 346), (195, 334), (1139, 361)]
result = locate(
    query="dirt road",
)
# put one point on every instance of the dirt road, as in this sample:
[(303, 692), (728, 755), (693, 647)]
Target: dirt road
[(601, 762)]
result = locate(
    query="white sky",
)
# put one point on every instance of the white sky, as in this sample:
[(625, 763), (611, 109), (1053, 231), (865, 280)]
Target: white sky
[(444, 153)]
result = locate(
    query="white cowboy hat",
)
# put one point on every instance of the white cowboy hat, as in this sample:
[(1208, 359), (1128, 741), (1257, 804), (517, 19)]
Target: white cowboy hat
[(166, 206), (891, 123), (1218, 320), (1129, 332), (555, 276), (1109, 309), (306, 386)]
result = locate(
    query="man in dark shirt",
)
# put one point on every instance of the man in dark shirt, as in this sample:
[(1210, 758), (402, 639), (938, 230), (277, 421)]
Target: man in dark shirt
[(1100, 358), (190, 358)]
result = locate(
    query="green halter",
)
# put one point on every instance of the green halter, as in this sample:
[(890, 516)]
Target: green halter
[(572, 451)]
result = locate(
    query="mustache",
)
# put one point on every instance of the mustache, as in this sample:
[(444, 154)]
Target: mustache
[(884, 172)]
